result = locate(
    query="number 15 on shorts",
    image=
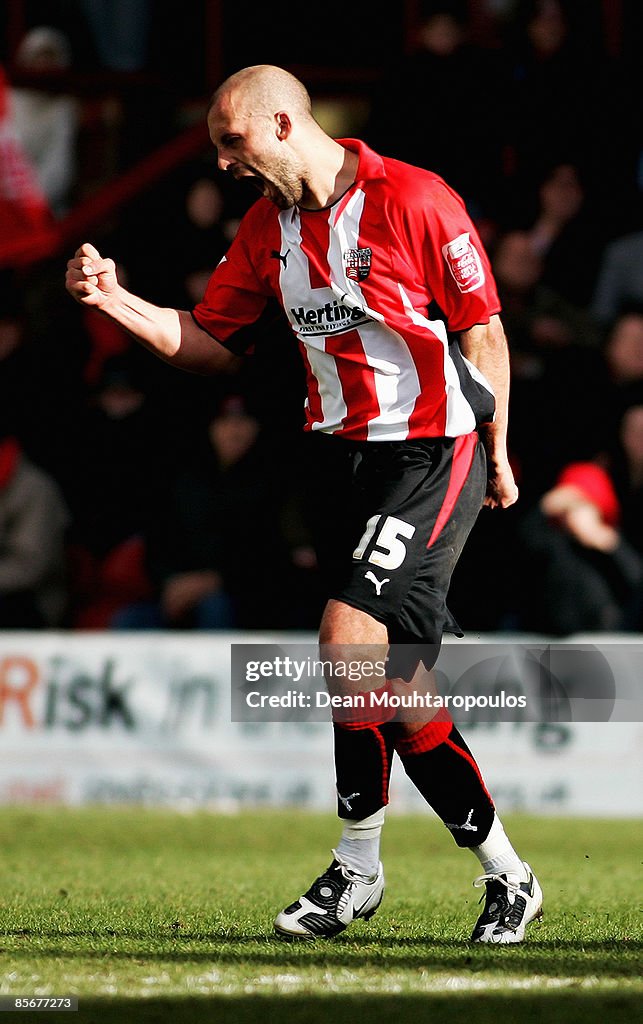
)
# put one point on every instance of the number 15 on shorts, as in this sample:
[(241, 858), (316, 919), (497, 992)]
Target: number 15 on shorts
[(388, 550)]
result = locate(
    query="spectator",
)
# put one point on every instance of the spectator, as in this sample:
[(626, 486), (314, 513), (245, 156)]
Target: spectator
[(624, 349), (46, 123), (422, 103), (121, 30), (555, 363), (190, 236), (620, 278), (124, 451), (552, 93), (579, 573), (16, 377), (203, 241), (626, 465), (26, 222), (205, 542), (544, 98), (565, 234), (33, 522), (41, 390), (623, 384), (537, 317)]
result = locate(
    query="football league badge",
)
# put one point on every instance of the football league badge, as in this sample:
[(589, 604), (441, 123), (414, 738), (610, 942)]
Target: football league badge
[(463, 260), (358, 263)]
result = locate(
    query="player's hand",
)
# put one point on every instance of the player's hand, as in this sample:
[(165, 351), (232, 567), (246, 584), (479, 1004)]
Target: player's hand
[(90, 279), (501, 487)]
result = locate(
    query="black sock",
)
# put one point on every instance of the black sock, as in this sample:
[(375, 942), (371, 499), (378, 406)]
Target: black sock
[(441, 766), (363, 769)]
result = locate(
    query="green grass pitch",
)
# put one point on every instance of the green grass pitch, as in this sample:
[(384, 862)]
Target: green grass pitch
[(152, 916)]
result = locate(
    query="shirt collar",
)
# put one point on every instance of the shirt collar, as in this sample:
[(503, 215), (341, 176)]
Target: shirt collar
[(370, 164)]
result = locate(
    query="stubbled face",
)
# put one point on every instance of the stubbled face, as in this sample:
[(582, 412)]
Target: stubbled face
[(248, 146)]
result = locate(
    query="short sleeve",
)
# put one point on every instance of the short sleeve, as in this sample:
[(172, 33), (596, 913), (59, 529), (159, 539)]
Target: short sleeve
[(235, 297), (457, 268)]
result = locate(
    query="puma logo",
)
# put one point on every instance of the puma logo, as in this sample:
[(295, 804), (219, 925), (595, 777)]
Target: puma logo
[(467, 827), (277, 256), (378, 584), (346, 800)]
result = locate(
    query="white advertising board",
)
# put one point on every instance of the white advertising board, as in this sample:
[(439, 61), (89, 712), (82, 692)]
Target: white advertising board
[(146, 718)]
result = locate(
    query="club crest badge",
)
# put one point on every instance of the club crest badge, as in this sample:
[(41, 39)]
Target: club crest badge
[(357, 263)]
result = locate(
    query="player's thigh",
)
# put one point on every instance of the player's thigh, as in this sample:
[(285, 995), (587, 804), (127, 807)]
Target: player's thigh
[(344, 624), (418, 501)]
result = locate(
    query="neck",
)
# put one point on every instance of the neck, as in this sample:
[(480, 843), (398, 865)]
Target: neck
[(334, 172)]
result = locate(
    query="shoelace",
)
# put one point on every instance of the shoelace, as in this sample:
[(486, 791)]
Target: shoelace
[(481, 880), (348, 873)]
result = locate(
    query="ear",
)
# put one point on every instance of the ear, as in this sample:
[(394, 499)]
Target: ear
[(284, 125)]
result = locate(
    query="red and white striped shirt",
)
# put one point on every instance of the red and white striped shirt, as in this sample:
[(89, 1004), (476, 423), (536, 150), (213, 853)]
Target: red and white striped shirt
[(355, 281)]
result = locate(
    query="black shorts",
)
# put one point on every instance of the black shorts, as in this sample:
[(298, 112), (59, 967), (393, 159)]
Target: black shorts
[(393, 517)]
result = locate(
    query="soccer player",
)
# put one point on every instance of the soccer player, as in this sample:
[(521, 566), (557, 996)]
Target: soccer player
[(389, 293)]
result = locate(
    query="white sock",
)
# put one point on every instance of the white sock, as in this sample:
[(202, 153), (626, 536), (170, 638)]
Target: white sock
[(497, 855), (359, 846)]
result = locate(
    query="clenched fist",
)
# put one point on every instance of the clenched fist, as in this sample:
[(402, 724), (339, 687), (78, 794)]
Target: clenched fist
[(90, 279)]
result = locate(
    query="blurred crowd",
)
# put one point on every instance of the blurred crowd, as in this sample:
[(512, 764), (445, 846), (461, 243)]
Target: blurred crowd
[(134, 496)]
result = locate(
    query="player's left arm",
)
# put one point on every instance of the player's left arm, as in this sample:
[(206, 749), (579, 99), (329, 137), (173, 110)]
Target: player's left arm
[(485, 345)]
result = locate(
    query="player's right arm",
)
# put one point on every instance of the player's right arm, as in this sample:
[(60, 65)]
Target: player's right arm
[(171, 334)]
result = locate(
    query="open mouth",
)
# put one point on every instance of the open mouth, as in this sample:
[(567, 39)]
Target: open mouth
[(253, 178), (261, 184)]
